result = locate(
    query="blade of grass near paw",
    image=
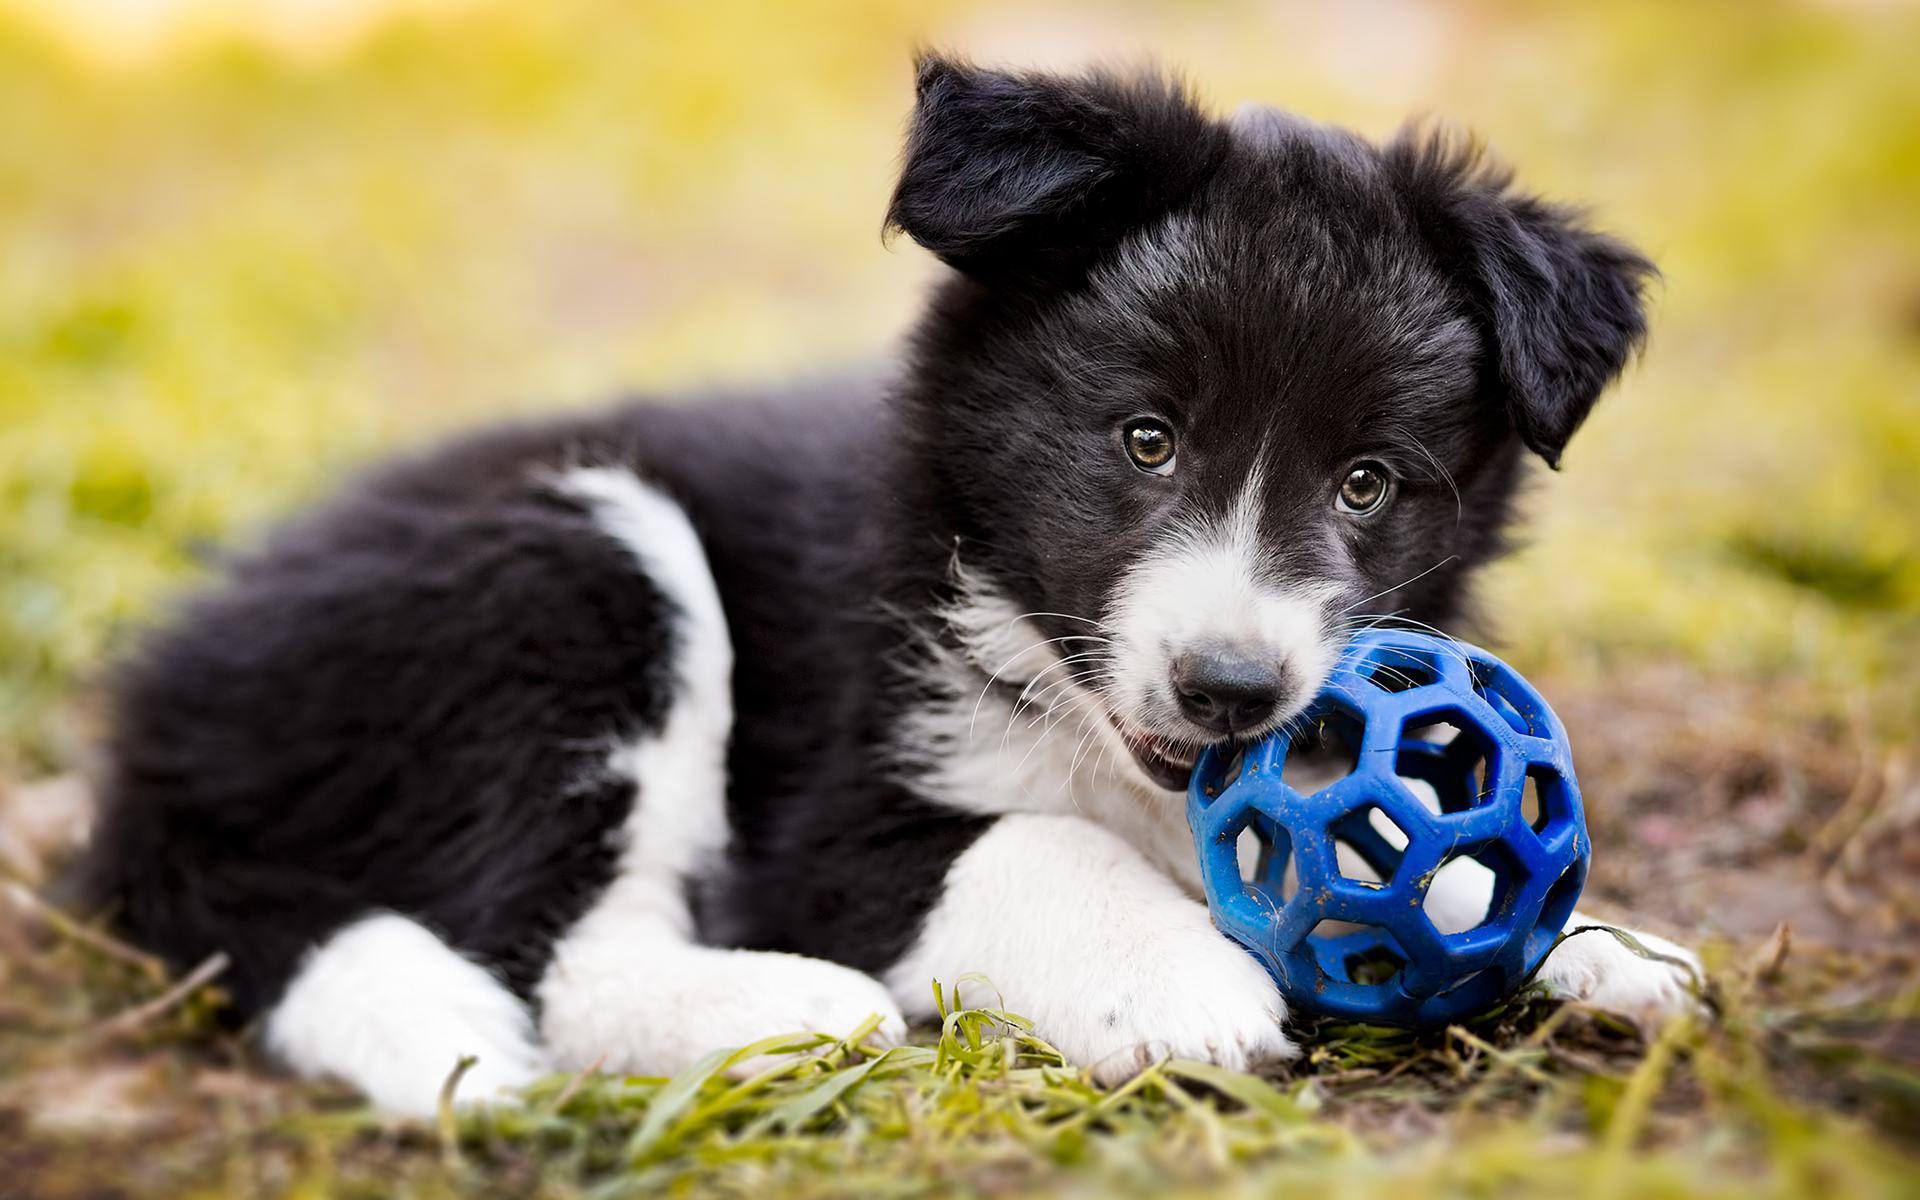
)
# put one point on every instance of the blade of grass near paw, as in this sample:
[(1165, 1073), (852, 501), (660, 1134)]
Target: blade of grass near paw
[(1250, 1090), (797, 1111), (682, 1090)]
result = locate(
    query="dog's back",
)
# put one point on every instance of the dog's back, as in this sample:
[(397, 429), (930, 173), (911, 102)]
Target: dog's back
[(417, 699)]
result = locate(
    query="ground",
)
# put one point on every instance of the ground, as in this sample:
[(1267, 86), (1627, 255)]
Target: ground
[(1787, 854), (250, 250)]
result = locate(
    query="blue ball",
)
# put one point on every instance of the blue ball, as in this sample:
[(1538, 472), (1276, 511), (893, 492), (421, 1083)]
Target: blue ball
[(1457, 758)]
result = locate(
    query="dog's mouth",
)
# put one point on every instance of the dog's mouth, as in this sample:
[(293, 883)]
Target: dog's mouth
[(1166, 762)]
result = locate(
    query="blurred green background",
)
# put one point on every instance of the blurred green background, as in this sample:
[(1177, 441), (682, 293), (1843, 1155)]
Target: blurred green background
[(244, 246)]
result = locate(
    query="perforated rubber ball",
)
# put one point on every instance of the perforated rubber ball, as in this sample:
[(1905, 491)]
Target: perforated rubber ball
[(1460, 772)]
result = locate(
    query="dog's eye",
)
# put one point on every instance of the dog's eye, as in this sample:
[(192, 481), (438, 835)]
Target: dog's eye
[(1150, 446), (1363, 490)]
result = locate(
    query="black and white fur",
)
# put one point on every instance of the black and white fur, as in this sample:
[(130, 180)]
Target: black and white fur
[(625, 737)]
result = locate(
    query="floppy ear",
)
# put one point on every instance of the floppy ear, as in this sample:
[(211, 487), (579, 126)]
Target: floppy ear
[(1563, 306), (1031, 174)]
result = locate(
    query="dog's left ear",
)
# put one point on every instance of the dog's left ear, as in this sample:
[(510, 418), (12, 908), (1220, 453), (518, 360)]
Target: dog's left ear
[(1027, 175), (1563, 306)]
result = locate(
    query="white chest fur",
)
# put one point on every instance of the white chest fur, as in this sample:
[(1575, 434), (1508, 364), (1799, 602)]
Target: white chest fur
[(1012, 726)]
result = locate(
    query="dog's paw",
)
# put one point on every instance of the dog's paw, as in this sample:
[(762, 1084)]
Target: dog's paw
[(660, 1012), (1600, 969), (792, 994), (387, 1006), (1197, 996), (1113, 963)]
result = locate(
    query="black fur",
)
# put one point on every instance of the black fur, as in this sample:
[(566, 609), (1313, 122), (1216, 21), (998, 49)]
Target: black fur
[(1032, 175), (1561, 305), (406, 700)]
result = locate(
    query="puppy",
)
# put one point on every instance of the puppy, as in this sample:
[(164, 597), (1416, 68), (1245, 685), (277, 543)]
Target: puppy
[(625, 737)]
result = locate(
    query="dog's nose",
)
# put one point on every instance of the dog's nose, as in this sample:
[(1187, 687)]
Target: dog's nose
[(1225, 691)]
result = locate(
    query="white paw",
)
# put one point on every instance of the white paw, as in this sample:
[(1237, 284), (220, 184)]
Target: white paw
[(1597, 968), (1115, 966), (1181, 994), (388, 1007), (658, 1008), (807, 995), (1203, 998)]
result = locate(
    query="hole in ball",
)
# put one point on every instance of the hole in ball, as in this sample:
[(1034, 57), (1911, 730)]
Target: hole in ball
[(1323, 753), (1488, 681), (1235, 765), (1367, 845), (1374, 966), (1356, 953), (1384, 826), (1265, 855), (1561, 898), (1364, 954), (1460, 896), (1544, 801), (1446, 763), (1473, 888)]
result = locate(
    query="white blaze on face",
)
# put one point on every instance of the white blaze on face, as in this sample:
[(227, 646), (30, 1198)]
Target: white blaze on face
[(1208, 586)]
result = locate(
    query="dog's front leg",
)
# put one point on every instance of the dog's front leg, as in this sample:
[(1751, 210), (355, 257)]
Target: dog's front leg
[(1116, 966)]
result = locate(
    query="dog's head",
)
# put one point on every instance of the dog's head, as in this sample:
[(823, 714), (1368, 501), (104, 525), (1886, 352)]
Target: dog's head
[(1202, 395)]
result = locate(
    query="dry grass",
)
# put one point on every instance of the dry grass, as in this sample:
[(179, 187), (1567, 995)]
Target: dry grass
[(1804, 1080), (1538, 1097)]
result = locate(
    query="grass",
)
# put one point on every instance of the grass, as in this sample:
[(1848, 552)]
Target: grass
[(1766, 1097), (240, 264)]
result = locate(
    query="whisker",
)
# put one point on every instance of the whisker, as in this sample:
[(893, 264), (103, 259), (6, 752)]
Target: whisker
[(1029, 754), (1088, 738), (998, 671), (1049, 718), (1042, 713), (1065, 617), (1029, 698), (1090, 725), (1403, 583), (1459, 508), (1085, 707), (1449, 644), (1087, 733)]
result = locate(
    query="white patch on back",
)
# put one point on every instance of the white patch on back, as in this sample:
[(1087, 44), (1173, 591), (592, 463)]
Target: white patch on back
[(678, 825), (390, 1008), (627, 982)]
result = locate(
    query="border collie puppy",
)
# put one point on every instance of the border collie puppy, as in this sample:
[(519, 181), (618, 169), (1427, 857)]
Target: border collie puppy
[(624, 737)]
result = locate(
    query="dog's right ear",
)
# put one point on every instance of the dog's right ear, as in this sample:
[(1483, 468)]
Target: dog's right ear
[(1563, 306), (1032, 175)]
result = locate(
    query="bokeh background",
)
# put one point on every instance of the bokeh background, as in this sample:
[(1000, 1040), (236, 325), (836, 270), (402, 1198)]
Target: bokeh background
[(246, 246), (249, 245)]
